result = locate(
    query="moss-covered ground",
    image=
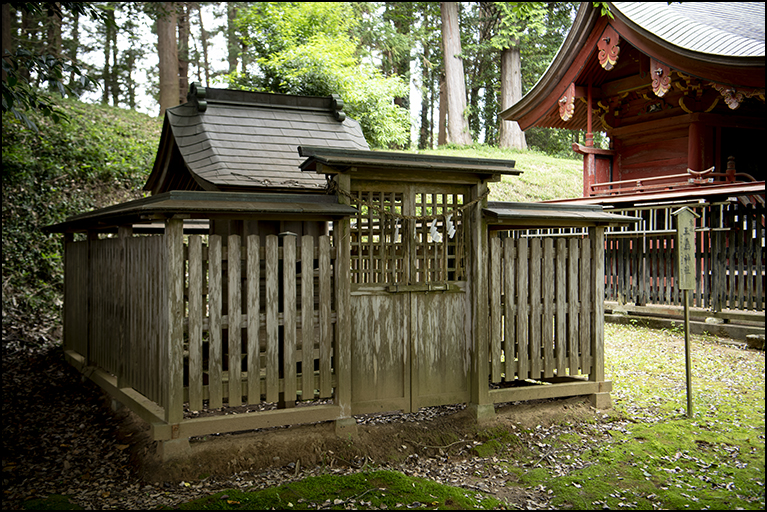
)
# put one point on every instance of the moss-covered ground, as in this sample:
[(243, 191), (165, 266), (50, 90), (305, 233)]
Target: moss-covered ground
[(364, 490), (656, 457)]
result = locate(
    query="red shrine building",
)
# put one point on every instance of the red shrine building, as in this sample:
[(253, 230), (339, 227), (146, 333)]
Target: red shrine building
[(674, 87), (678, 88)]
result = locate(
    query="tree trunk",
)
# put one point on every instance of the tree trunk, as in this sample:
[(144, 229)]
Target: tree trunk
[(168, 56), (204, 41), (423, 136), (231, 36), (106, 74), (455, 83), (115, 75), (54, 34), (75, 45), (183, 51), (442, 131), (7, 43), (510, 135)]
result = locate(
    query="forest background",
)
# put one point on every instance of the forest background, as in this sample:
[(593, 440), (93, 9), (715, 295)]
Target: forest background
[(416, 75)]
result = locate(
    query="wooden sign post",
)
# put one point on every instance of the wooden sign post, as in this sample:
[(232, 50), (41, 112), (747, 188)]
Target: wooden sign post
[(685, 253)]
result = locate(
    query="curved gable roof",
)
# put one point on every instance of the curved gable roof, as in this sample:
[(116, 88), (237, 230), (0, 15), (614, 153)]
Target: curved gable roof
[(237, 140), (733, 29), (687, 40)]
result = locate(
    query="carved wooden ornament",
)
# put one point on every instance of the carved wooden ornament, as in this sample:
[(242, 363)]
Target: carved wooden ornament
[(661, 77), (734, 97), (567, 103), (608, 48)]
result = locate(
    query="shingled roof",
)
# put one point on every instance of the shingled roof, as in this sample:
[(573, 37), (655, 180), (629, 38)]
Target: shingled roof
[(247, 141)]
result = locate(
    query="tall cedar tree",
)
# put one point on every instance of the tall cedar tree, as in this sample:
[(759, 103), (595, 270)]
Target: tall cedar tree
[(168, 57), (455, 84)]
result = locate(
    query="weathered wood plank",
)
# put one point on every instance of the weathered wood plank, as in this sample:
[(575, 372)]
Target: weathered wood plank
[(522, 310), (496, 321), (289, 315), (234, 312), (215, 355), (584, 324), (174, 355), (561, 307), (597, 371), (547, 325), (195, 322), (307, 317), (342, 349), (535, 308), (253, 270), (572, 303), (326, 329), (272, 327), (510, 308)]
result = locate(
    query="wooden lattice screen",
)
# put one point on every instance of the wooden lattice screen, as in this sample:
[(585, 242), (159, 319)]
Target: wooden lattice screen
[(381, 252)]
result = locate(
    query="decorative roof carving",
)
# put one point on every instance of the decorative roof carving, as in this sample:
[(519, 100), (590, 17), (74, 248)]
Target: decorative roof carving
[(567, 103), (608, 48), (661, 77)]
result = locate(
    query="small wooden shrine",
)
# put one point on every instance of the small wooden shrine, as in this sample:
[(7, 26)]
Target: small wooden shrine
[(284, 272)]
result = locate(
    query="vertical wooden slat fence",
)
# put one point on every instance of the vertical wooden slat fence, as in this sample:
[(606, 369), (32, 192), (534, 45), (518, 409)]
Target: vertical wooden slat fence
[(204, 331), (541, 308), (276, 360), (730, 259)]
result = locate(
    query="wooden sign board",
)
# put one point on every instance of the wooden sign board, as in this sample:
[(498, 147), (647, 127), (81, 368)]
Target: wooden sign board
[(685, 247)]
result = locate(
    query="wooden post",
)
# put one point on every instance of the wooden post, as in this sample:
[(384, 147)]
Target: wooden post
[(343, 359), (600, 400), (481, 405), (68, 239), (124, 347), (92, 236), (234, 312), (589, 134), (174, 350), (685, 253)]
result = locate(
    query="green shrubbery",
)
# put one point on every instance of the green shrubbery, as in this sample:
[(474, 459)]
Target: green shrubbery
[(102, 156)]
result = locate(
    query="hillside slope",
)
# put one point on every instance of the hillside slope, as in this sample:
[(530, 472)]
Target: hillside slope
[(101, 157), (543, 177)]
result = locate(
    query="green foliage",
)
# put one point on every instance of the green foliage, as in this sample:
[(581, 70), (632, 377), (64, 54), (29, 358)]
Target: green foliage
[(100, 157), (19, 96), (305, 49), (374, 490)]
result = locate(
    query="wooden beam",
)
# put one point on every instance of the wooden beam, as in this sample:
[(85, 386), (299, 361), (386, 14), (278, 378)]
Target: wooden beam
[(174, 355)]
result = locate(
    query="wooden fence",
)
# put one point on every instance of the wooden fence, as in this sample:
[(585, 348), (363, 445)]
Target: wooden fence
[(545, 322), (283, 288), (181, 326), (729, 266)]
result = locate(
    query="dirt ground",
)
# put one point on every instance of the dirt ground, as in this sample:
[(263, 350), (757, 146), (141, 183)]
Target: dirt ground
[(302, 446)]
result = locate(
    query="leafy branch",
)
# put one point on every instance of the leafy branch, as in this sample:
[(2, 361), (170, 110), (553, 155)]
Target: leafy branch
[(19, 96)]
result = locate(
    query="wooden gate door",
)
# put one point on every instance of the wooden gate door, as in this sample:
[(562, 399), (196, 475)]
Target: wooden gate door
[(409, 300)]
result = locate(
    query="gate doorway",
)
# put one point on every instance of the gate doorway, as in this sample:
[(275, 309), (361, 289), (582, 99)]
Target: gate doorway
[(410, 345)]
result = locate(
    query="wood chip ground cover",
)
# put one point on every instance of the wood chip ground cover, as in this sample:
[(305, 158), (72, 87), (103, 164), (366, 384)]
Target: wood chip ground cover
[(60, 445)]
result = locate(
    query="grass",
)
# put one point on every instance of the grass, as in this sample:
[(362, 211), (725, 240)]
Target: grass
[(656, 457), (374, 489), (543, 177)]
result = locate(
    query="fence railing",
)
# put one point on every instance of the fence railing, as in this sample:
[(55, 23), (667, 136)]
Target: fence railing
[(729, 263), (544, 319), (257, 322)]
